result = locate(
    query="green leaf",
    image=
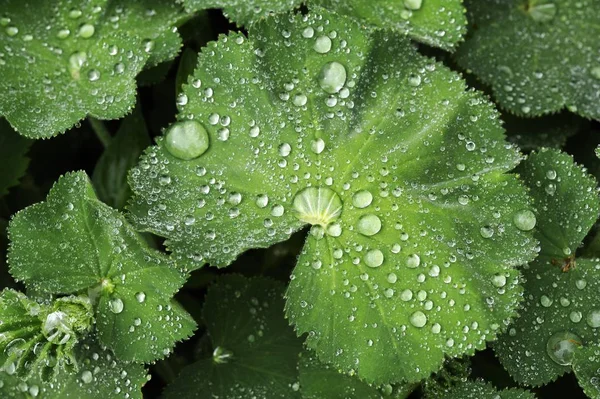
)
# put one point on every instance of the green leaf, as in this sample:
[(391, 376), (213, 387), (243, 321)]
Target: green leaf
[(399, 169), (539, 56), (481, 390), (255, 350), (561, 310), (318, 381), (39, 336), (439, 23), (100, 376), (13, 150), (81, 58), (243, 12), (586, 364), (73, 242), (549, 131), (110, 173), (187, 64)]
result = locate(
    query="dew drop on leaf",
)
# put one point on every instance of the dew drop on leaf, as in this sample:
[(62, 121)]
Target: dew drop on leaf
[(562, 346), (369, 225), (413, 4), (525, 220), (317, 206), (332, 77), (593, 318), (322, 44), (413, 261), (187, 140), (374, 258), (418, 319), (362, 199), (115, 305)]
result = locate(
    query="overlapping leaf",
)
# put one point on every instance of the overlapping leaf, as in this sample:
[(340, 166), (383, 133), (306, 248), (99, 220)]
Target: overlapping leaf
[(255, 350), (100, 376), (440, 23), (61, 60), (318, 380), (561, 310), (398, 168), (41, 337), (480, 390), (73, 242), (539, 56), (13, 150), (586, 364)]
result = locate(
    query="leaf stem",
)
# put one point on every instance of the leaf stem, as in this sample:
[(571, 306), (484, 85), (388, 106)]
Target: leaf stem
[(101, 131)]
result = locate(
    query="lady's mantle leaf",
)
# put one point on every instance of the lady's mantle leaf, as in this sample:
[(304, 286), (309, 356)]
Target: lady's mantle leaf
[(562, 308), (73, 242), (439, 23), (41, 337), (255, 350), (538, 56), (399, 170), (13, 150), (318, 381), (100, 376), (63, 59), (586, 364), (480, 390)]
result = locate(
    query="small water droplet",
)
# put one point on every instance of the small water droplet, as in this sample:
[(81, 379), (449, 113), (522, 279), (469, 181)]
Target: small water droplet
[(369, 225), (593, 318), (362, 199), (115, 305), (374, 258), (413, 261), (140, 297), (413, 4), (87, 377), (86, 31), (418, 319)]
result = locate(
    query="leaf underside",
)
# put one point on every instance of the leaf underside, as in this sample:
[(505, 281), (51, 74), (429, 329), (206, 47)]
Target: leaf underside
[(13, 150)]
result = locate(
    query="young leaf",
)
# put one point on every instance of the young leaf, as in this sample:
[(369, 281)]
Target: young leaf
[(439, 23), (255, 350), (100, 376), (538, 56), (481, 390), (41, 337), (13, 150), (81, 58), (318, 380), (399, 170), (110, 173), (74, 242), (586, 364), (561, 309)]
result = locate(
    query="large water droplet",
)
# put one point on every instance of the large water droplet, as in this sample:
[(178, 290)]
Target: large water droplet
[(362, 199), (413, 4), (369, 225), (593, 318), (374, 258), (562, 346), (317, 205), (418, 319), (542, 12), (140, 297), (332, 77), (86, 31), (413, 261), (87, 377), (525, 220), (115, 305), (186, 140), (322, 44)]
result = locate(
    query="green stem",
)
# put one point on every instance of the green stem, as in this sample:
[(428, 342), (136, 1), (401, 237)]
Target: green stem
[(101, 131)]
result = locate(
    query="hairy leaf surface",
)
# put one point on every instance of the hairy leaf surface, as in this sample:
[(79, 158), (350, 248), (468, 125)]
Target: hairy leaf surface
[(481, 390), (538, 56), (399, 170), (100, 376), (80, 58), (586, 364), (255, 351), (561, 310), (73, 242)]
